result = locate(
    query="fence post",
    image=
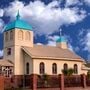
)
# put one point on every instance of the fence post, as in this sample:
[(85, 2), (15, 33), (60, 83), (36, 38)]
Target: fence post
[(1, 82), (83, 80), (34, 81), (61, 81), (15, 81)]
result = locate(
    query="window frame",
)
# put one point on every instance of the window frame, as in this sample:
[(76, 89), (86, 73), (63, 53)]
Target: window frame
[(54, 68), (11, 35), (75, 69), (27, 68), (42, 68), (65, 66), (6, 36), (27, 36), (9, 51), (20, 35)]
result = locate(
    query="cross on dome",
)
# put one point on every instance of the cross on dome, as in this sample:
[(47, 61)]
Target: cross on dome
[(60, 32), (18, 15), (18, 23)]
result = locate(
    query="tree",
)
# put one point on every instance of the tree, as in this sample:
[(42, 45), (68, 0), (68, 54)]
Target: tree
[(68, 72)]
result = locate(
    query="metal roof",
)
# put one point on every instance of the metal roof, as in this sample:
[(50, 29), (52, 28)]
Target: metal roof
[(18, 23)]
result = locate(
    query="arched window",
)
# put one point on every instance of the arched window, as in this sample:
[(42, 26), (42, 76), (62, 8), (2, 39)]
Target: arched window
[(20, 35), (27, 68), (8, 51), (75, 69), (54, 68), (27, 35), (42, 68), (11, 35), (6, 36), (65, 66)]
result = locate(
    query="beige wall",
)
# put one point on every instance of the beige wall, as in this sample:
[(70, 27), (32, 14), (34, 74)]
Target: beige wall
[(48, 65), (28, 43), (28, 59), (16, 52), (16, 41), (20, 59), (62, 45), (18, 62)]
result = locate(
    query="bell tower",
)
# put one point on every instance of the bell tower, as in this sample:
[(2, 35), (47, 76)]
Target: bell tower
[(17, 34), (61, 42)]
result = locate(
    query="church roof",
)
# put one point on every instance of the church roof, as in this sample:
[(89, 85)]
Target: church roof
[(5, 63), (18, 23), (51, 52), (61, 39)]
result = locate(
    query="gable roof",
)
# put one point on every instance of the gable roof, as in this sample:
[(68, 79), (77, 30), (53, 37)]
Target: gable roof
[(51, 52), (5, 63)]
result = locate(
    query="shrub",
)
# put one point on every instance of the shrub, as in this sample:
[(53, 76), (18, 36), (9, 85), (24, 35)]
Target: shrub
[(88, 74), (68, 72)]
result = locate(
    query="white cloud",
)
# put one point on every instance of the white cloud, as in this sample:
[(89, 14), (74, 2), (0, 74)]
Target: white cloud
[(1, 53), (70, 47), (1, 12), (51, 43), (1, 21), (39, 44), (84, 37), (45, 19), (72, 2), (87, 42), (52, 40), (87, 2), (1, 25)]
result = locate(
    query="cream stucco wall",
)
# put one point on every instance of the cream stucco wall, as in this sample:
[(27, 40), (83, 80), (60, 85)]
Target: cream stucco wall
[(16, 53), (28, 43), (20, 58), (62, 45), (28, 59), (9, 44), (48, 65)]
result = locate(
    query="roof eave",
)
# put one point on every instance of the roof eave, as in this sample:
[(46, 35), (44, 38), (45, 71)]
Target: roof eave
[(55, 58)]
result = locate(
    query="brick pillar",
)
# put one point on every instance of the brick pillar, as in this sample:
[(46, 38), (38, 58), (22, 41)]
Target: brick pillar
[(1, 82), (15, 81), (61, 80), (83, 80), (34, 81)]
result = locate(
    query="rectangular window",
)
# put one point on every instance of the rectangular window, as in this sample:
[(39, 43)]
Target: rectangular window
[(8, 51)]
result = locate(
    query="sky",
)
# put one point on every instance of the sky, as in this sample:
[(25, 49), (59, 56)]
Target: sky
[(47, 17)]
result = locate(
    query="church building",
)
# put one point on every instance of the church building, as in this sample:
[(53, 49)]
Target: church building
[(23, 57)]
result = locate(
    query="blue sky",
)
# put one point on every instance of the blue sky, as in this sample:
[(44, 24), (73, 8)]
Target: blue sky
[(47, 17)]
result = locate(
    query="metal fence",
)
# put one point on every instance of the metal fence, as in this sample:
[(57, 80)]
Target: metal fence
[(48, 82), (51, 81)]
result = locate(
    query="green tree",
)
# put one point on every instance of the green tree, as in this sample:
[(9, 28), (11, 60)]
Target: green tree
[(68, 72)]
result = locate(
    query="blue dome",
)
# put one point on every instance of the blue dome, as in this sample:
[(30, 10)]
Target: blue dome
[(18, 23), (61, 39)]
